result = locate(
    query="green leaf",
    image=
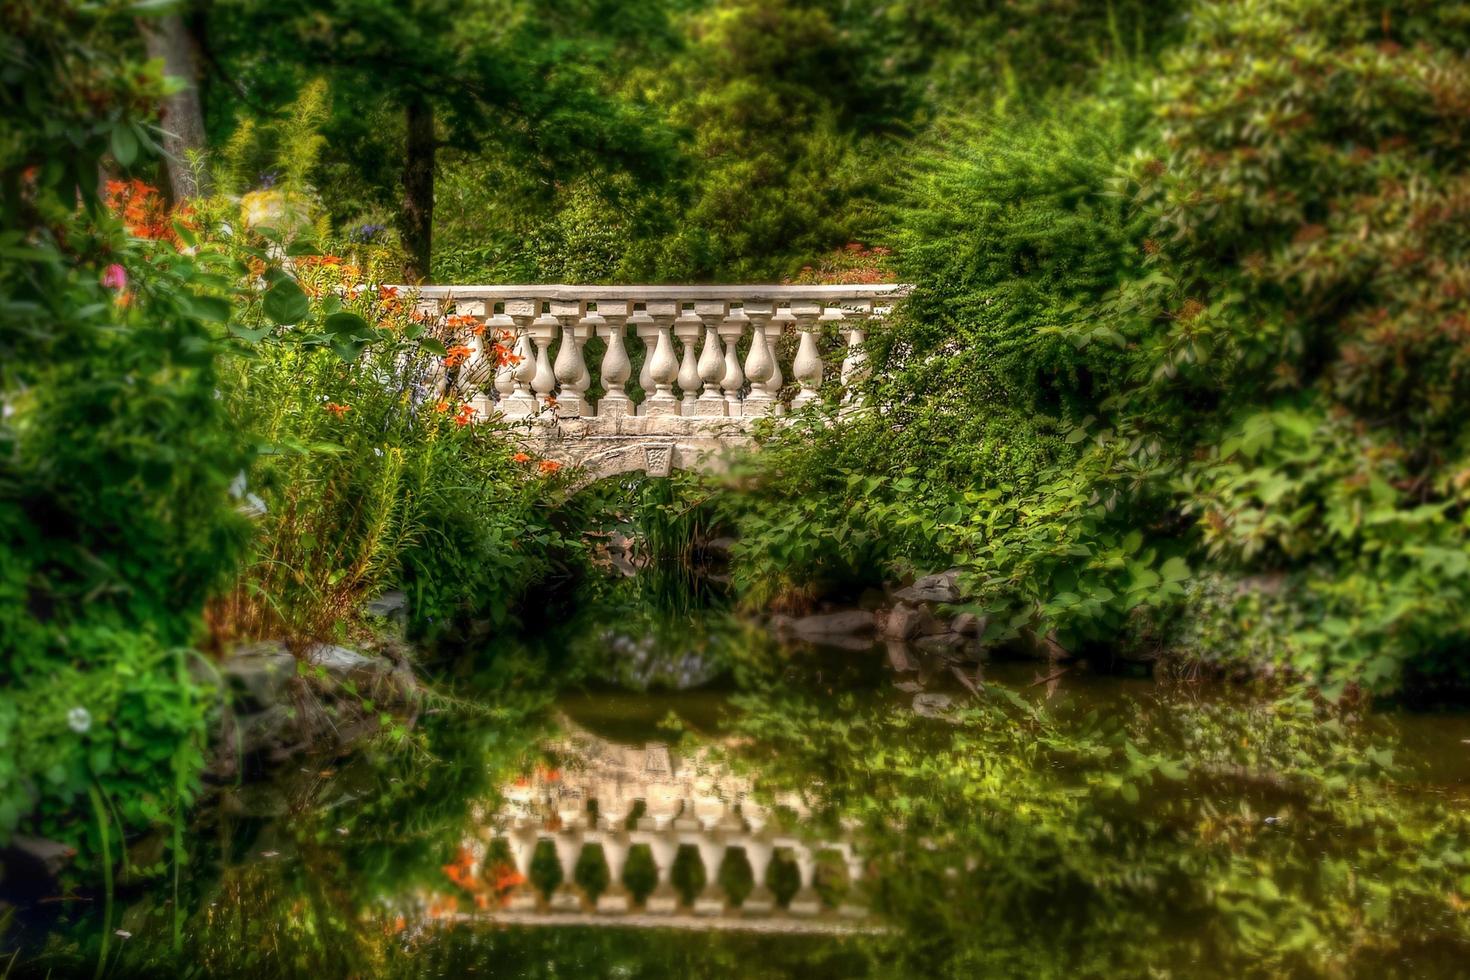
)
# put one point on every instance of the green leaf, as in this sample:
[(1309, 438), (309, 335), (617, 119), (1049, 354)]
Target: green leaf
[(211, 308), (124, 144), (285, 303), (433, 346), (347, 325), (302, 247), (253, 336), (1176, 569)]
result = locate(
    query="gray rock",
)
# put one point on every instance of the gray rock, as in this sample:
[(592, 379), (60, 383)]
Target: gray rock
[(932, 704), (940, 642), (939, 587), (903, 622), (968, 624), (848, 623), (46, 856), (259, 675), (898, 657), (390, 605), (376, 675), (340, 662)]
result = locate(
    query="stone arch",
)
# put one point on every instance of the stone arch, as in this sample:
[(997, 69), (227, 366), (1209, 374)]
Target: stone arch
[(654, 457)]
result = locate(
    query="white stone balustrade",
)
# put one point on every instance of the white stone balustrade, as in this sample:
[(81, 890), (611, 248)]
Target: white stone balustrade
[(720, 345)]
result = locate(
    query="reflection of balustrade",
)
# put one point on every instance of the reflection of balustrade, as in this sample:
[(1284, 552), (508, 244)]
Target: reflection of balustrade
[(717, 381), (686, 802)]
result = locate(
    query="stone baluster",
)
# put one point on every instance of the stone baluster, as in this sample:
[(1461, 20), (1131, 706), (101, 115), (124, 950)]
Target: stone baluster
[(522, 851), (664, 367), (568, 896), (616, 366), (855, 364), (615, 899), (500, 332), (646, 327), (583, 333), (732, 328), (805, 901), (711, 899), (570, 367), (522, 400), (775, 330), (759, 851), (664, 848), (711, 401), (687, 327), (808, 364), (543, 331), (760, 363)]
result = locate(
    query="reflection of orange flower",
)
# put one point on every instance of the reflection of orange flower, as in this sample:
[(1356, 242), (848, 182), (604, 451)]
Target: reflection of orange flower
[(504, 877), (337, 410), (461, 871), (548, 467), (442, 906), (521, 458)]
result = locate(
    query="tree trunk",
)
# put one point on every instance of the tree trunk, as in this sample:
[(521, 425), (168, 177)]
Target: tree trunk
[(416, 220), (183, 118)]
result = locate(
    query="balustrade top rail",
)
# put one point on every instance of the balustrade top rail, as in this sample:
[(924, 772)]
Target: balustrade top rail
[(755, 293)]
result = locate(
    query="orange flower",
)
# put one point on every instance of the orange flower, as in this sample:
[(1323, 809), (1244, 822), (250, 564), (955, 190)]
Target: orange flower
[(466, 415), (502, 356), (337, 410), (548, 467), (441, 406), (457, 355), (459, 322), (521, 458)]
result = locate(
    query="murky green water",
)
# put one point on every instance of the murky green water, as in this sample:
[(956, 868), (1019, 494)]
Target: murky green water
[(571, 812)]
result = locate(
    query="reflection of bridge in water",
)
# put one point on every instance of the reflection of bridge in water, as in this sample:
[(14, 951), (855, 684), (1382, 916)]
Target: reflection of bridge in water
[(686, 800)]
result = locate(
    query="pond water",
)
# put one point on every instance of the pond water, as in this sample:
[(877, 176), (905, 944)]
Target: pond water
[(682, 796)]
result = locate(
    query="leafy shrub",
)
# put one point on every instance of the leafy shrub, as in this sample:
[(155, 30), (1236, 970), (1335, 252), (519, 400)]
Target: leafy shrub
[(115, 459)]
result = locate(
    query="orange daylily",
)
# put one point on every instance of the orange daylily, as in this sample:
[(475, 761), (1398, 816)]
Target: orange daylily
[(337, 410), (548, 467), (457, 355), (521, 458), (441, 406)]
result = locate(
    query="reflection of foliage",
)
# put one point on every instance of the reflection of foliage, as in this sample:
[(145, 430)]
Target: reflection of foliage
[(689, 875), (1264, 836)]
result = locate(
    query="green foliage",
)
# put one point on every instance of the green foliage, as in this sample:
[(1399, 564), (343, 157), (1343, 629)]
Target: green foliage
[(1145, 360), (115, 460)]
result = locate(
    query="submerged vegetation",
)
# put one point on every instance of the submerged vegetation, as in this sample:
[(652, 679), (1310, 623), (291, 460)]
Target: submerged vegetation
[(1181, 382)]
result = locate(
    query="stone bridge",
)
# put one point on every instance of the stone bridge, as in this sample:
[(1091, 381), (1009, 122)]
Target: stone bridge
[(709, 362)]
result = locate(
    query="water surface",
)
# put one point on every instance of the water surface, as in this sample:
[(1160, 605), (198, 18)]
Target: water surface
[(682, 796)]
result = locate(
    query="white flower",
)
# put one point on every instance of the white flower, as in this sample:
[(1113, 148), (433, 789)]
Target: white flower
[(237, 485), (80, 719), (253, 506), (377, 451), (122, 934)]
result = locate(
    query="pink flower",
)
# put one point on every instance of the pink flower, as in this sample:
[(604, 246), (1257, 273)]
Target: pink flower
[(115, 277)]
